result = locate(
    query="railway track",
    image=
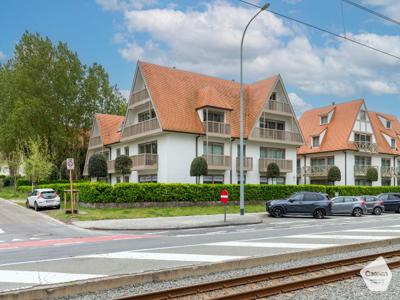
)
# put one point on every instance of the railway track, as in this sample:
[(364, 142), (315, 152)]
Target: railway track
[(273, 283)]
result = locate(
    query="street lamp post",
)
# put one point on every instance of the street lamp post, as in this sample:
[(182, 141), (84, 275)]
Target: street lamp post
[(241, 158)]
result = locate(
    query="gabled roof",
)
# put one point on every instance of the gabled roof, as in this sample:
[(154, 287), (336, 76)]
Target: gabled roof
[(338, 130), (109, 127), (177, 95), (380, 129)]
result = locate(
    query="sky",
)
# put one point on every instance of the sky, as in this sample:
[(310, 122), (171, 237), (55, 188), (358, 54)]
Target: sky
[(204, 37)]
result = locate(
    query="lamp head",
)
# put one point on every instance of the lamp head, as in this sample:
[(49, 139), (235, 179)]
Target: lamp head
[(265, 6)]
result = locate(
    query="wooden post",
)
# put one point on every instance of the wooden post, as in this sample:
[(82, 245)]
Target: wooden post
[(65, 202), (72, 194)]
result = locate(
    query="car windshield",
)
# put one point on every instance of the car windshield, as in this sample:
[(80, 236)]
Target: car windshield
[(48, 194)]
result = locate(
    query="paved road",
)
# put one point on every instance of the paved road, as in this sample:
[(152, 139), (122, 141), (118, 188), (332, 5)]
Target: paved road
[(69, 254)]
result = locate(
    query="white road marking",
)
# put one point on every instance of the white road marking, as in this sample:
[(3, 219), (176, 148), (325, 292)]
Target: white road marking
[(34, 238), (16, 240), (165, 256), (375, 230), (35, 277), (202, 234), (341, 237), (1, 231), (272, 245)]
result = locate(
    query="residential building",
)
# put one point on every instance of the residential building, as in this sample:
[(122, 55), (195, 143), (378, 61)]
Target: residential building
[(352, 138), (174, 116)]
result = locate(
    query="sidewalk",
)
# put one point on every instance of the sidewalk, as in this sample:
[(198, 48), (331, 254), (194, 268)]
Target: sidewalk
[(172, 222)]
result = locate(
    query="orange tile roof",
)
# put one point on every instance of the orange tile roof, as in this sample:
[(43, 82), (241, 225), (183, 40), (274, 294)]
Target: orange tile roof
[(177, 95), (338, 130), (109, 127), (379, 129)]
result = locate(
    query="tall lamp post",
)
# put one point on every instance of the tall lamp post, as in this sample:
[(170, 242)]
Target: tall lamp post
[(241, 158)]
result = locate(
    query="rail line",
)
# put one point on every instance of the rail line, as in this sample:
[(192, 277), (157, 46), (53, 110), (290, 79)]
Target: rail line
[(273, 283)]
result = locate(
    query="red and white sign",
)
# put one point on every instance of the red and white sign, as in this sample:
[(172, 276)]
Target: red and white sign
[(224, 196), (70, 164)]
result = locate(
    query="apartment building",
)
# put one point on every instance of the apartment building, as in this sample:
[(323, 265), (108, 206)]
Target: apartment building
[(174, 116), (352, 138)]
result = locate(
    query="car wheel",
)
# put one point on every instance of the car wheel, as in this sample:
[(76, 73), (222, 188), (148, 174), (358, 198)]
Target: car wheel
[(319, 213), (27, 204), (357, 212), (58, 207), (277, 212), (377, 211), (398, 210), (36, 206)]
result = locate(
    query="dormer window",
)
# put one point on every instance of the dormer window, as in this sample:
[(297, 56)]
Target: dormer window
[(213, 116), (324, 120), (363, 115), (393, 143), (315, 141), (146, 115), (273, 96), (388, 124)]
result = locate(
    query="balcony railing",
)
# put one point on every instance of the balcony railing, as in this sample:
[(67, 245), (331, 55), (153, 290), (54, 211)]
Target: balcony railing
[(398, 171), (138, 97), (218, 162), (217, 128), (285, 165), (318, 171), (361, 170), (95, 142), (277, 135), (365, 146), (111, 166), (145, 161), (140, 128), (387, 171), (278, 106), (248, 164)]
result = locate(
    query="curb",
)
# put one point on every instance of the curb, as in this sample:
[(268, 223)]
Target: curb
[(99, 284)]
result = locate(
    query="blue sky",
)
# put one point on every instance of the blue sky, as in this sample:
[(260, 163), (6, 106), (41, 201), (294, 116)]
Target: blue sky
[(204, 36)]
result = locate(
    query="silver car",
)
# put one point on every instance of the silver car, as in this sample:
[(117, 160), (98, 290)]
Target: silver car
[(40, 198), (349, 205)]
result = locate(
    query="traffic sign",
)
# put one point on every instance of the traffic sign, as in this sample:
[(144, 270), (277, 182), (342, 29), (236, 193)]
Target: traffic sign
[(70, 164), (224, 196)]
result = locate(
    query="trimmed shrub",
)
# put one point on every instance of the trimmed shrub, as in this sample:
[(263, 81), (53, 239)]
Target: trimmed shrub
[(98, 166), (63, 170), (273, 170), (372, 174), (198, 167), (334, 174), (123, 164)]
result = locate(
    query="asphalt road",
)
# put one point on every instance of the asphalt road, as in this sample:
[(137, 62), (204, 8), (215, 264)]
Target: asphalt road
[(35, 249)]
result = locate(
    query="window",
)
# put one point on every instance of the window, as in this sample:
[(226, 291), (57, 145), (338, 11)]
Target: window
[(363, 115), (118, 179), (148, 148), (278, 180), (213, 179), (324, 120), (126, 150), (274, 153), (213, 116), (146, 115), (388, 124), (393, 143), (238, 150), (147, 178), (126, 178), (244, 179), (363, 182), (297, 196), (273, 96), (118, 152), (271, 124), (315, 141), (385, 162), (386, 182), (363, 161), (358, 137), (213, 149)]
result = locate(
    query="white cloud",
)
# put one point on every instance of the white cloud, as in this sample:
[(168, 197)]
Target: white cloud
[(208, 40), (2, 56), (299, 105), (121, 5), (389, 7), (125, 93)]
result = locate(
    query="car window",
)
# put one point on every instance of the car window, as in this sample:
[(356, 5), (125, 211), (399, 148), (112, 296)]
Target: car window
[(393, 197), (383, 197), (297, 197), (338, 200), (48, 195), (319, 197), (348, 199), (310, 197)]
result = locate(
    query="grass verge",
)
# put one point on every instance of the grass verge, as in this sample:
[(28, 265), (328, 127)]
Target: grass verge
[(90, 214), (9, 194)]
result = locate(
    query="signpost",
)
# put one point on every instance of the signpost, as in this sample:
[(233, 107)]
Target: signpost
[(224, 199), (71, 167)]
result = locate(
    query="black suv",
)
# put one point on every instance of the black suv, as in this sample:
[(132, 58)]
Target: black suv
[(391, 201), (304, 203)]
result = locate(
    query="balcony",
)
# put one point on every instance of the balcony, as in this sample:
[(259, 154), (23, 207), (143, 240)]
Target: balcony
[(363, 146), (285, 165), (278, 106), (111, 166), (318, 171), (218, 162), (95, 142), (287, 137), (144, 161), (387, 171), (248, 164), (398, 171), (139, 97), (217, 128), (361, 170), (140, 129)]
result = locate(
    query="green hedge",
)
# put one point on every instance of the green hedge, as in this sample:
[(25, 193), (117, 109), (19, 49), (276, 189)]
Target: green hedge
[(27, 182), (153, 192)]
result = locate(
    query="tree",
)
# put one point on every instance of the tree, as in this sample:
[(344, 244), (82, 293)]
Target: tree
[(123, 164), (14, 161), (54, 174), (273, 170), (98, 166), (63, 170), (198, 167), (334, 174), (37, 162), (372, 174)]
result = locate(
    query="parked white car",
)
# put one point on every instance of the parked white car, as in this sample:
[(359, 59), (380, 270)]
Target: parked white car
[(41, 198)]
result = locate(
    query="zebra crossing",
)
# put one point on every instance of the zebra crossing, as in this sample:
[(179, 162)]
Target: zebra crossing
[(24, 275)]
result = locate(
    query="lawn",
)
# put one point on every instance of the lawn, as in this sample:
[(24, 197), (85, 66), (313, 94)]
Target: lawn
[(9, 194), (88, 214)]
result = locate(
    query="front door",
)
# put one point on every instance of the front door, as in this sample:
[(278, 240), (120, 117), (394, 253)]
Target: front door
[(295, 204), (337, 207)]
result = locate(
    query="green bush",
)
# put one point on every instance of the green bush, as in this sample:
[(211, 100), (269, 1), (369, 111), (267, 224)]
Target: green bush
[(26, 182), (372, 174), (97, 166), (273, 170), (63, 170), (123, 164), (334, 174)]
